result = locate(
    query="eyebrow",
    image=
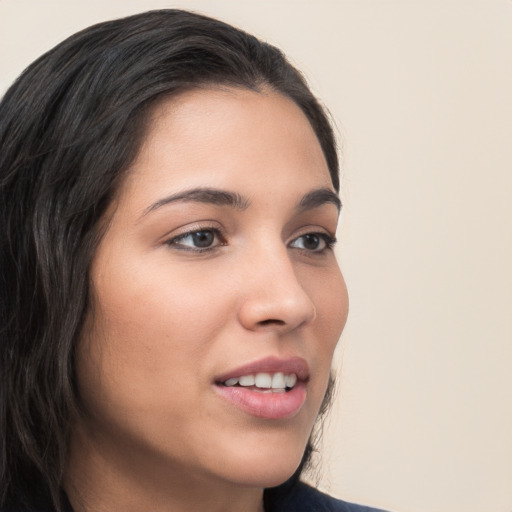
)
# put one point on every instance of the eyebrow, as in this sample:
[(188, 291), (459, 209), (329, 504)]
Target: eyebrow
[(204, 195), (317, 198), (311, 200)]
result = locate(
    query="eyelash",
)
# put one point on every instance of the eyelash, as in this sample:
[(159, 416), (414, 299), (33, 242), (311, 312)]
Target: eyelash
[(217, 233), (328, 241)]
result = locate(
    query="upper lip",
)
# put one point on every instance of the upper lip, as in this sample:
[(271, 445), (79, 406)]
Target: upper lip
[(272, 364)]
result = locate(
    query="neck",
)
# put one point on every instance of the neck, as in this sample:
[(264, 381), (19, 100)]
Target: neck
[(99, 480)]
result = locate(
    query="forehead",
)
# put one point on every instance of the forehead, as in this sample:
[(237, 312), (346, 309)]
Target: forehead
[(225, 137)]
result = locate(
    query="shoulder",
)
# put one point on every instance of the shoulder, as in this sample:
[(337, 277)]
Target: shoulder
[(304, 498)]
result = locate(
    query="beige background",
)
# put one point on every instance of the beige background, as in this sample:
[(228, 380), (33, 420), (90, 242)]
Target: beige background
[(422, 95)]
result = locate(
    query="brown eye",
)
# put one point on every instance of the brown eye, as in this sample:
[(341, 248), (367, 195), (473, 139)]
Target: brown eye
[(202, 239), (197, 240), (313, 242)]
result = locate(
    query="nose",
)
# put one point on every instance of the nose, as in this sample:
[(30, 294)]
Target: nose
[(274, 298)]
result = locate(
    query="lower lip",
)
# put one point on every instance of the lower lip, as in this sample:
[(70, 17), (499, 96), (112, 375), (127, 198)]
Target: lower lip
[(266, 405)]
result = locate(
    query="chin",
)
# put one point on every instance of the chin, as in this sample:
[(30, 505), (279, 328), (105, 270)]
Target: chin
[(270, 477), (264, 468)]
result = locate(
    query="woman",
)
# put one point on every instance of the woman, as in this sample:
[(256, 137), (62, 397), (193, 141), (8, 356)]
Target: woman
[(171, 301)]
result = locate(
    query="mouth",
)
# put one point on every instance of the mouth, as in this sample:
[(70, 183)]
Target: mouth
[(264, 382), (270, 388)]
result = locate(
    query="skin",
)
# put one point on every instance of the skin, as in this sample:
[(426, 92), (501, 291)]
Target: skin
[(165, 319)]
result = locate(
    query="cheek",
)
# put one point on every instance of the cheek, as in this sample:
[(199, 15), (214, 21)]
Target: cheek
[(148, 331), (335, 301), (329, 294)]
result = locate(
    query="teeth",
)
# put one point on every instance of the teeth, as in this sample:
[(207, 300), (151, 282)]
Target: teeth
[(263, 380), (278, 380), (247, 380), (267, 382), (290, 380)]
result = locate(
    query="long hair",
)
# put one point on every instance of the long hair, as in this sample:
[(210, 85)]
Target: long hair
[(69, 128)]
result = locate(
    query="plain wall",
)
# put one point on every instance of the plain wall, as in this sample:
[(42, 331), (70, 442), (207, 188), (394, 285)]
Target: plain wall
[(421, 92)]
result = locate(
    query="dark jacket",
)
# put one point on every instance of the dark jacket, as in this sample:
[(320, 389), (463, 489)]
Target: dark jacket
[(303, 498), (297, 498)]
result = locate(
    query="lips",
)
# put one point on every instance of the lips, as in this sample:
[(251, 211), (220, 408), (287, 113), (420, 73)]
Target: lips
[(270, 388)]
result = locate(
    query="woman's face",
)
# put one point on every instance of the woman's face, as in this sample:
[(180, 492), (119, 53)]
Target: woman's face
[(214, 282)]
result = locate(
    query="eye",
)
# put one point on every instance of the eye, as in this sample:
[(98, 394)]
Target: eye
[(198, 240), (313, 242)]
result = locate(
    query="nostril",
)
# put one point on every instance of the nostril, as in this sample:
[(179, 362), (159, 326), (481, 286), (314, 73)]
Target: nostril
[(272, 321)]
